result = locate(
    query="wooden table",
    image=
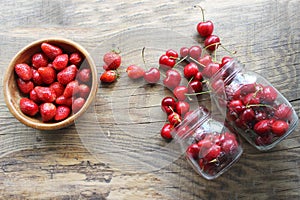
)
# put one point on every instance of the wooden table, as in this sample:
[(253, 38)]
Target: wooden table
[(68, 164)]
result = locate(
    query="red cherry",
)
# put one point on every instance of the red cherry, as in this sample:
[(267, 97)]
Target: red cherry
[(205, 60), (193, 151), (135, 72), (262, 127), (180, 92), (174, 118), (212, 42), (211, 69), (213, 152), (269, 94), (166, 131), (198, 76), (283, 112), (184, 51), (152, 75), (168, 105), (195, 86), (173, 79), (182, 107), (248, 88), (279, 127), (195, 52), (205, 28), (225, 60), (190, 70), (236, 106), (251, 98), (248, 115), (229, 145), (168, 60)]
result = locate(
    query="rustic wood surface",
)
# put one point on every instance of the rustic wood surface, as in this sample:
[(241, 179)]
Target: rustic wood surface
[(81, 161)]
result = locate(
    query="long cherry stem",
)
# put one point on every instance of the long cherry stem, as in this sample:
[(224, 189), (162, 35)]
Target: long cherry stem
[(197, 62), (198, 93), (202, 11)]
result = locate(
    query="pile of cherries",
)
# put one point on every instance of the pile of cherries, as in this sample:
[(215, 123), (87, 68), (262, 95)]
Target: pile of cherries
[(50, 86)]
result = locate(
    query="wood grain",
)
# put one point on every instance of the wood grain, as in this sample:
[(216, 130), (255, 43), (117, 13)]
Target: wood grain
[(68, 164)]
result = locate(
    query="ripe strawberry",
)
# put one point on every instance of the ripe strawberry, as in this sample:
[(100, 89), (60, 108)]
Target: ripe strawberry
[(28, 107), (33, 96), (39, 60), (60, 62), (67, 75), (84, 75), (48, 74), (50, 50), (36, 77), (109, 76), (45, 94), (23, 71), (75, 58), (84, 90), (62, 100), (25, 86), (135, 72), (77, 104), (58, 88), (48, 111), (112, 60), (71, 89), (62, 112)]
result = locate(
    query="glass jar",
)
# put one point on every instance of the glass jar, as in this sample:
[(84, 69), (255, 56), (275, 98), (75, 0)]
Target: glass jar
[(208, 145), (251, 106)]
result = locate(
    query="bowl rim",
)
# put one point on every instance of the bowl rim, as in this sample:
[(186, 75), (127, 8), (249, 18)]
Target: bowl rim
[(27, 120)]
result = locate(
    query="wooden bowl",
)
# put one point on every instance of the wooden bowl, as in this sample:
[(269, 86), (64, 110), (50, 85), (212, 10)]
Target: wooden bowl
[(12, 94)]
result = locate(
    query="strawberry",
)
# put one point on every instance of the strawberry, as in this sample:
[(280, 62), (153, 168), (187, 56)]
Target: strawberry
[(33, 96), (36, 77), (62, 112), (77, 104), (45, 94), (112, 60), (84, 90), (25, 86), (48, 111), (71, 89), (62, 100), (23, 71), (58, 88), (28, 107), (109, 76), (135, 72), (50, 50), (60, 62), (75, 58), (48, 74), (84, 75), (67, 75), (39, 60)]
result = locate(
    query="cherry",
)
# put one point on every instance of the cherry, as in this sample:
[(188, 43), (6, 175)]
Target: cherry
[(248, 115), (193, 151), (236, 106), (205, 28), (269, 94), (190, 70), (179, 92), (283, 112), (195, 86), (184, 52), (213, 152), (212, 42), (262, 127), (211, 69), (168, 60), (152, 75), (182, 107), (264, 140), (225, 60), (135, 72), (229, 145), (259, 116), (168, 105), (174, 118), (195, 52), (279, 127), (173, 79), (166, 131), (205, 60), (198, 76), (251, 98), (248, 88)]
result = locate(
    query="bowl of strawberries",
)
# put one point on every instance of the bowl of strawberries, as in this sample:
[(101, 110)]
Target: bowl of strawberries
[(50, 83)]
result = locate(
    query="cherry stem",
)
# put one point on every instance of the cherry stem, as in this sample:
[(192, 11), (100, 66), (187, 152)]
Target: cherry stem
[(180, 61), (231, 52), (213, 44), (198, 93), (143, 56), (202, 11), (197, 62)]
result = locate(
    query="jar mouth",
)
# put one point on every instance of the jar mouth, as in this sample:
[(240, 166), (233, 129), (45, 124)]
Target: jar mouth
[(190, 123)]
